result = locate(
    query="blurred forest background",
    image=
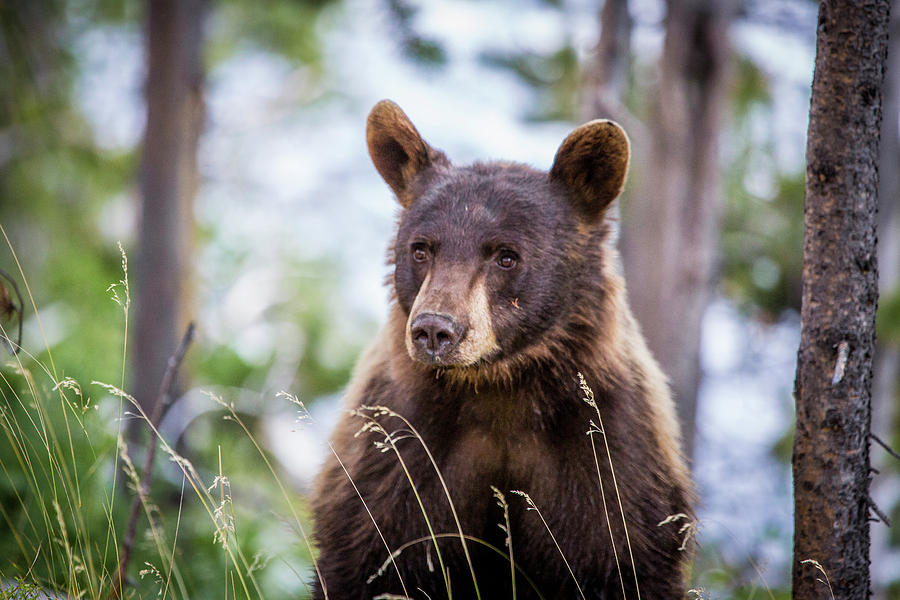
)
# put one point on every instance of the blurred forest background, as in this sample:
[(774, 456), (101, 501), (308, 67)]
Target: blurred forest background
[(221, 143)]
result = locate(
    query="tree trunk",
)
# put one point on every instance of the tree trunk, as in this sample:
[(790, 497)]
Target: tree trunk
[(840, 293), (606, 81), (670, 228), (168, 180)]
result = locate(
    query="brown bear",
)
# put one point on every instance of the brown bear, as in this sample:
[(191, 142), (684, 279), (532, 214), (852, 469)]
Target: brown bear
[(505, 289)]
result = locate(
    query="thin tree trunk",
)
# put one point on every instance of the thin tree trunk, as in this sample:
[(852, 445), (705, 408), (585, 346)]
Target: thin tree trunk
[(840, 293), (670, 229), (168, 181), (606, 81)]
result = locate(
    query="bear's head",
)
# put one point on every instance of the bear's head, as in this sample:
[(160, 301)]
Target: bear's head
[(487, 256)]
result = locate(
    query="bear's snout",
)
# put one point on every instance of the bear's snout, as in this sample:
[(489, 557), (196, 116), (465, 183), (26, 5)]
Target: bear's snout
[(435, 336)]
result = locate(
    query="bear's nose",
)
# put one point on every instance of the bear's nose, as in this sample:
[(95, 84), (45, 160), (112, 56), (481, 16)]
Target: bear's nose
[(434, 334)]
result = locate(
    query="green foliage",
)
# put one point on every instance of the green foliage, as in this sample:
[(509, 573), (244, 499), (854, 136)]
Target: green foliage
[(556, 79), (285, 27), (783, 449), (713, 578), (224, 366), (19, 590), (423, 51), (92, 12), (420, 50), (761, 242), (762, 227), (750, 88), (888, 318), (55, 183), (331, 351), (304, 325)]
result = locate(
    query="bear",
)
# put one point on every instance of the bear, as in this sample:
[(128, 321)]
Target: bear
[(508, 434)]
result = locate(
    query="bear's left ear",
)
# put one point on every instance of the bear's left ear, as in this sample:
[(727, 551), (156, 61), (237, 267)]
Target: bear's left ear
[(397, 150), (592, 163)]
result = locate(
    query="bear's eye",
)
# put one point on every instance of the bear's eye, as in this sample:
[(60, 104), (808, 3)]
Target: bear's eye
[(507, 259), (419, 252)]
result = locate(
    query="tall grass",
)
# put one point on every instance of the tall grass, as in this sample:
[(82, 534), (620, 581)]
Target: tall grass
[(46, 489), (67, 476)]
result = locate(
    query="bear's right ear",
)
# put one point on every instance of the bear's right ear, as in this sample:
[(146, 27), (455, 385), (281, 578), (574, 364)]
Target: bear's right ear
[(397, 150)]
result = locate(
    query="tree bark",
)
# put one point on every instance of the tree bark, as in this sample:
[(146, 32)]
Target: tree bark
[(168, 181), (670, 227), (840, 293)]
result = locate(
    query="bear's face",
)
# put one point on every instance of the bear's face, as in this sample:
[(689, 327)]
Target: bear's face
[(481, 263), (485, 255)]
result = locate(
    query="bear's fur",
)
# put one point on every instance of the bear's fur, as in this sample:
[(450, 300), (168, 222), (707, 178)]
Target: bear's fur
[(505, 288)]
